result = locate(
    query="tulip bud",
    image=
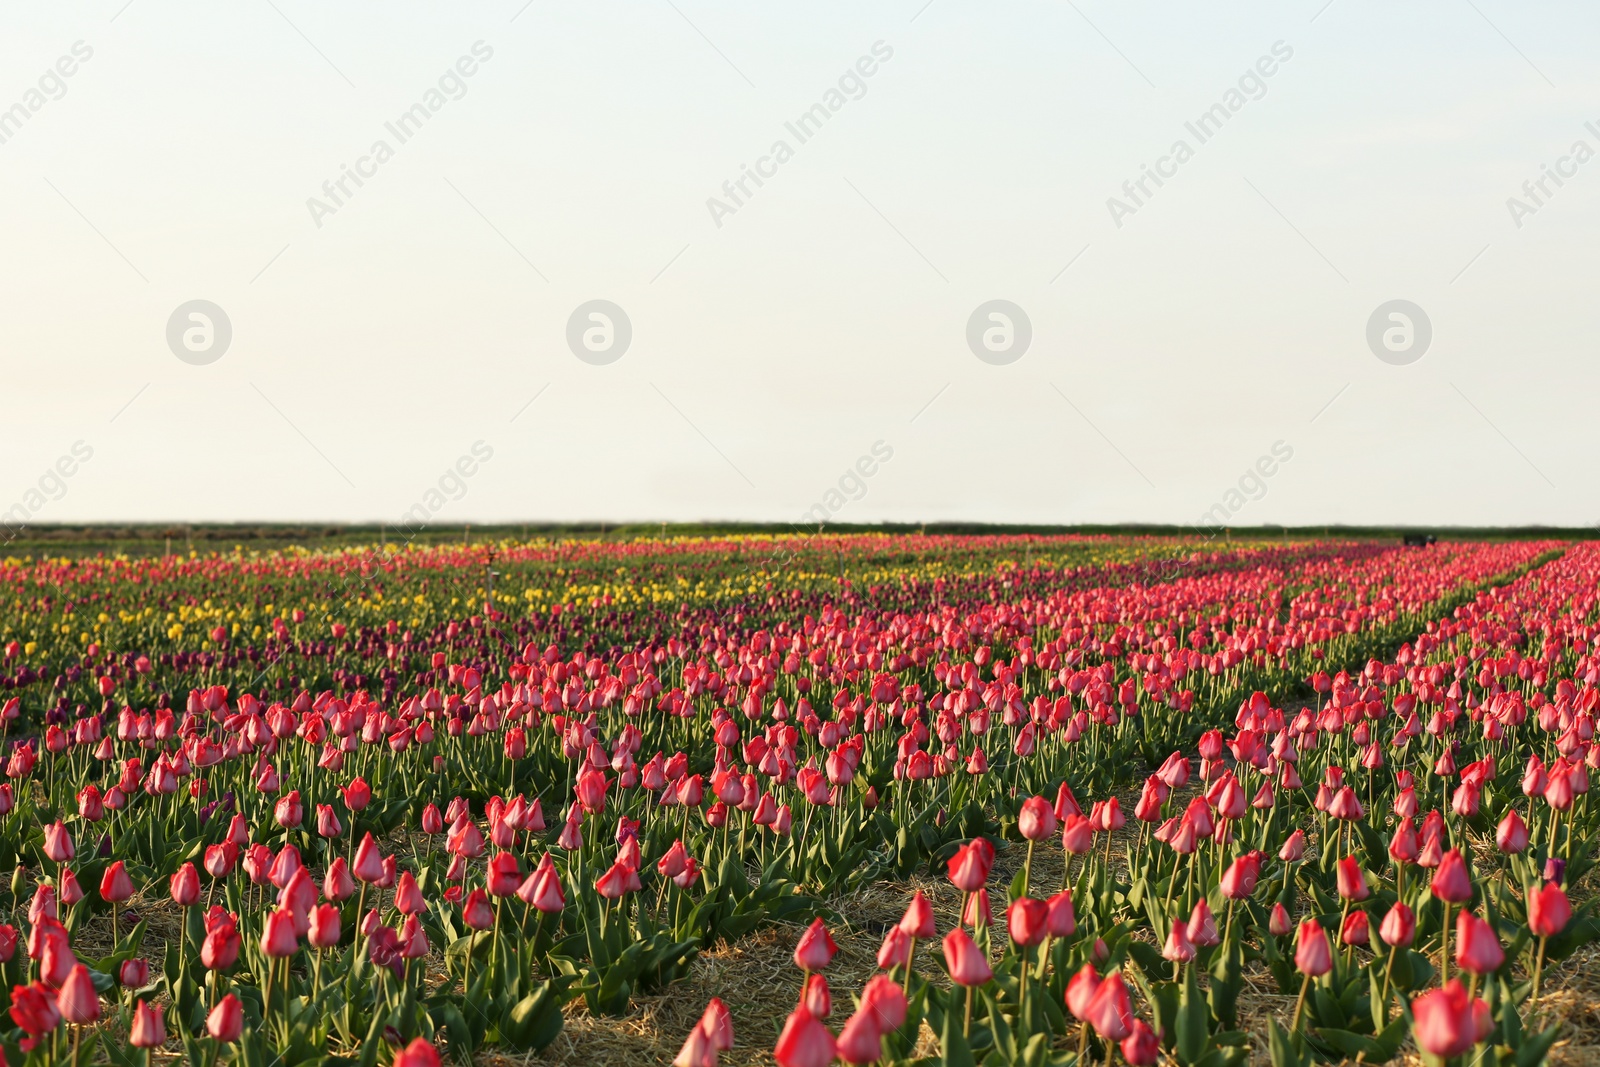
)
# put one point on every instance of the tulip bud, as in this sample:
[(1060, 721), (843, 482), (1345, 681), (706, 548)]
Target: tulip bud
[(1478, 949), (134, 973), (815, 949), (1355, 931), (226, 1020), (1313, 956), (1511, 836), (966, 962), (1399, 926)]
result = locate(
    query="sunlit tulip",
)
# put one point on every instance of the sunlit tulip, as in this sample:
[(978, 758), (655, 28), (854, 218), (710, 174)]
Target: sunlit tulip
[(1312, 955), (1477, 947), (965, 961), (1399, 926), (815, 949), (1448, 1021)]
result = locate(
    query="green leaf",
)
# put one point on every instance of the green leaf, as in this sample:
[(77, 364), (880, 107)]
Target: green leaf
[(1351, 1044), (1227, 978), (954, 1051), (1535, 1048), (1329, 1012), (1005, 1041), (1393, 1036), (1192, 1028), (1283, 1048)]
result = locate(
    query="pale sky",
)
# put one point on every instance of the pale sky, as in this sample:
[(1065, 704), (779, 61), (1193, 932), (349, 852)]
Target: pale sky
[(969, 155)]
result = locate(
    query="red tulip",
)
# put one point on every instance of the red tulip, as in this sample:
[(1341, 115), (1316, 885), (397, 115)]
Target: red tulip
[(1066, 803), (185, 886), (115, 885), (1179, 949), (1059, 918), (33, 1008), (1351, 882), (895, 950), (278, 937), (1399, 926), (324, 928), (1148, 808), (1141, 1047), (1026, 921), (1081, 988), (1037, 819), (1231, 803), (1477, 947), (284, 866), (1278, 921), (1354, 931), (966, 962), (815, 949), (476, 912), (226, 1020), (413, 940), (967, 869), (546, 895), (417, 1054), (918, 919), (1403, 845), (977, 912), (58, 842), (328, 822), (219, 859), (1451, 882), (1203, 925), (1448, 1021), (134, 974), (1511, 835), (1239, 881), (288, 812), (1312, 954), (358, 794), (804, 1042), (1110, 1012), (369, 861), (697, 1050), (504, 875), (1077, 835), (885, 1002), (77, 1001), (1345, 805), (591, 791), (717, 1024), (408, 898), (337, 885), (91, 805), (816, 998), (220, 949), (860, 1041), (672, 862), (1558, 793), (1549, 911), (149, 1029), (1110, 818)]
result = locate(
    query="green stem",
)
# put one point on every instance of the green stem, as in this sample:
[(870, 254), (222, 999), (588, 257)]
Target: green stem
[(1299, 1005), (1538, 967)]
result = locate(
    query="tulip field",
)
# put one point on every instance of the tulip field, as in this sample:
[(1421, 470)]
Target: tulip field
[(1084, 799)]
